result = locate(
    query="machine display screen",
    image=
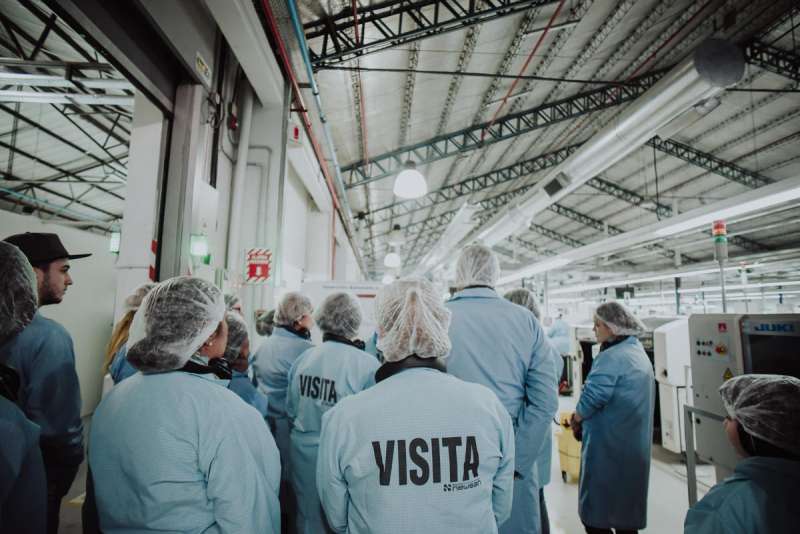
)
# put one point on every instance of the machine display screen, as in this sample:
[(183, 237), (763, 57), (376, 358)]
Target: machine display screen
[(773, 355)]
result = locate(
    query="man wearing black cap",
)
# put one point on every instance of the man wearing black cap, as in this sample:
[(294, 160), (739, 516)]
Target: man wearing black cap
[(44, 357)]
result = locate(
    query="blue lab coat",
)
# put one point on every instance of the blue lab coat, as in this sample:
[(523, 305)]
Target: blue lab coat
[(242, 385), (617, 408), (50, 395), (545, 460), (502, 346), (23, 487), (273, 360), (419, 452), (319, 378), (120, 367), (759, 498), (179, 452), (559, 336)]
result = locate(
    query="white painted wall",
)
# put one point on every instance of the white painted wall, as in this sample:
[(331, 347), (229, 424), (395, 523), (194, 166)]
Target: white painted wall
[(87, 311)]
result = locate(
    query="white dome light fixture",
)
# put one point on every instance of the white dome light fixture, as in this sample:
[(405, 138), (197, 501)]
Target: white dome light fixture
[(392, 260), (387, 279), (410, 183)]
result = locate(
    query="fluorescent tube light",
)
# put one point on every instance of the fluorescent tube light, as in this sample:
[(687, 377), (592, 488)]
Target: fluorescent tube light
[(746, 206), (30, 97)]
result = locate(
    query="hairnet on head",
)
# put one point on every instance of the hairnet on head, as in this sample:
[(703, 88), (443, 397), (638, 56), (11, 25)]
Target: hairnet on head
[(339, 314), (135, 299), (173, 322), (619, 319), (265, 322), (237, 335), (767, 407), (477, 266), (411, 320), (18, 294), (525, 298), (231, 301), (292, 307)]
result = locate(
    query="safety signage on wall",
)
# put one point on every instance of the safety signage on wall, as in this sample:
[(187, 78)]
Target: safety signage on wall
[(259, 265)]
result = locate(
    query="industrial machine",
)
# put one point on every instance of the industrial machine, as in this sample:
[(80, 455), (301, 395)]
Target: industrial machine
[(584, 349), (727, 345), (672, 368)]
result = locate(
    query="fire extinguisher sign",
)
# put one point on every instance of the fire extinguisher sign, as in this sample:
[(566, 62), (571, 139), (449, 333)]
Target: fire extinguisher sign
[(259, 265)]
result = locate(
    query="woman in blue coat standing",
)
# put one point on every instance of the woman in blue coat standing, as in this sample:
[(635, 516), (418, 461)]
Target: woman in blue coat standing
[(763, 425), (320, 378), (615, 417)]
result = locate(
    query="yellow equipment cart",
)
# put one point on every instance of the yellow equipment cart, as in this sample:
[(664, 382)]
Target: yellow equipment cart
[(569, 449)]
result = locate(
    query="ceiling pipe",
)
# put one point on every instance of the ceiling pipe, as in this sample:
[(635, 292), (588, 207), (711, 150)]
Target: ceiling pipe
[(344, 213), (709, 70)]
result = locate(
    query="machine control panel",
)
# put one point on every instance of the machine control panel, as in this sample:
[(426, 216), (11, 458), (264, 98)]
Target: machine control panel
[(708, 347)]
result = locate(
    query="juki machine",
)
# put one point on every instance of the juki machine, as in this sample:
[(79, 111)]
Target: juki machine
[(723, 346)]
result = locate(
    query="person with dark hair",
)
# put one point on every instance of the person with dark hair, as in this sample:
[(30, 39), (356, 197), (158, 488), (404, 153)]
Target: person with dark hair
[(44, 357), (116, 362), (23, 487), (763, 425), (171, 448)]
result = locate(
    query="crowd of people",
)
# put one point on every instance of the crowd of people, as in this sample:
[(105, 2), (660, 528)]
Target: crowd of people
[(441, 422)]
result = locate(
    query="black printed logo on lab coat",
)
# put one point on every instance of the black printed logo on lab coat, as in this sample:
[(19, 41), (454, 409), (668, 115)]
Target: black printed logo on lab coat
[(454, 459), (321, 389)]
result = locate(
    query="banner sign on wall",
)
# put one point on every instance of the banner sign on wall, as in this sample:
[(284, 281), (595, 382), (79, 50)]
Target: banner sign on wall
[(258, 265)]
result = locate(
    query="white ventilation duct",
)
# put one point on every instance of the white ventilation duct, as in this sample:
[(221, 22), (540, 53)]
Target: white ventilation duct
[(462, 224), (713, 66)]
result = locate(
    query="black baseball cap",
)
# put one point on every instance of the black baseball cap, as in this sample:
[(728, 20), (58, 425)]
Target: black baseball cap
[(41, 248)]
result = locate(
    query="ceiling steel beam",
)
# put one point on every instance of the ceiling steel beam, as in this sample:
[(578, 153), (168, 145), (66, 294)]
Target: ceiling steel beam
[(472, 185), (507, 127), (773, 59), (662, 210), (713, 164), (395, 23)]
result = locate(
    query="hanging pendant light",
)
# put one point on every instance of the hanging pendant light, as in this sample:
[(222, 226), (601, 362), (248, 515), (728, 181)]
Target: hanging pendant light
[(410, 183), (387, 279), (392, 260)]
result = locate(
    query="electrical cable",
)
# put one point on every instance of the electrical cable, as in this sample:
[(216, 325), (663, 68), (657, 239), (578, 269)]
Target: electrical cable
[(475, 74)]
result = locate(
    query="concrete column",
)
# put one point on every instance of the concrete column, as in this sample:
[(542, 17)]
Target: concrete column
[(140, 214)]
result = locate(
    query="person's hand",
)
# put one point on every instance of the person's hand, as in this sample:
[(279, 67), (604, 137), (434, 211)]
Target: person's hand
[(576, 426)]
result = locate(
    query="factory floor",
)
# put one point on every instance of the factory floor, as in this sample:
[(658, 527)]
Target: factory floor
[(667, 500)]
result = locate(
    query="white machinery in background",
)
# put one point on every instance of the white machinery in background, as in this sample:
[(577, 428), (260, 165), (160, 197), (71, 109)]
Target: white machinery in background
[(723, 346), (672, 368), (583, 347)]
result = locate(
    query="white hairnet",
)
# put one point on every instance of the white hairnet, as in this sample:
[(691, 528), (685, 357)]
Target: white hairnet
[(619, 319), (411, 320), (339, 314), (265, 322), (231, 301), (173, 322), (18, 295), (237, 335), (477, 266), (525, 298), (292, 307), (767, 407), (135, 299)]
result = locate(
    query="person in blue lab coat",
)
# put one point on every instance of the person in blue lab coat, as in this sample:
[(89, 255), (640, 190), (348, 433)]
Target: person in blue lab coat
[(421, 451), (763, 425), (116, 363), (527, 299), (23, 486), (614, 417), (319, 378), (237, 354), (559, 335), (44, 357), (503, 346), (290, 338), (195, 458)]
